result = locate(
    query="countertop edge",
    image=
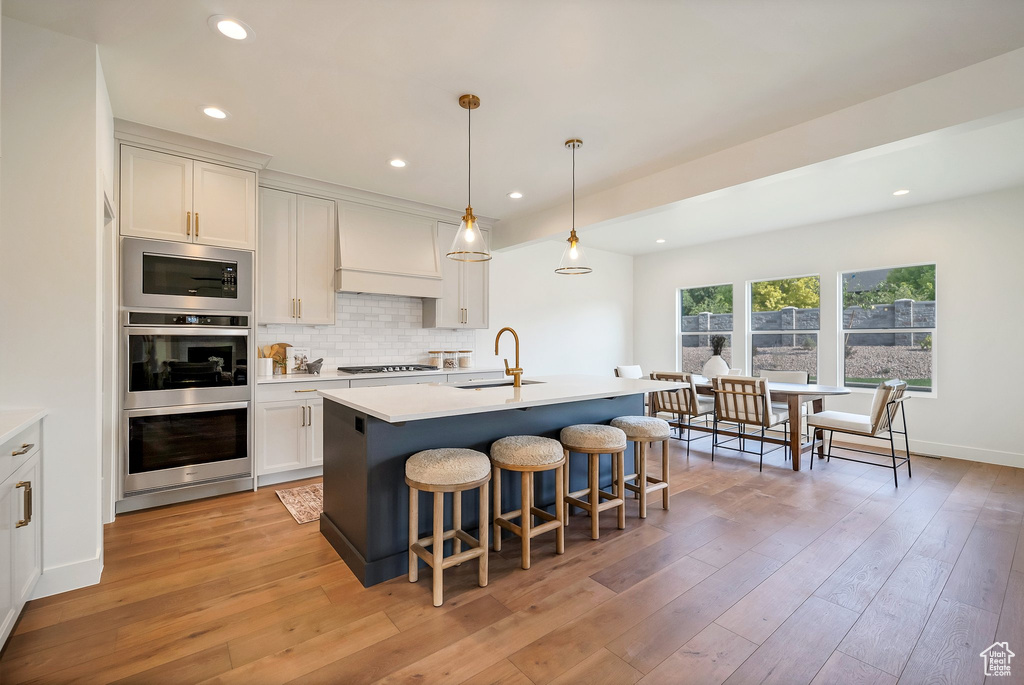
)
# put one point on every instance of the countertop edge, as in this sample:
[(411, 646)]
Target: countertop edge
[(23, 418), (331, 377)]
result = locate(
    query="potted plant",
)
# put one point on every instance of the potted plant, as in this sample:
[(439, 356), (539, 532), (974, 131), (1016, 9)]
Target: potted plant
[(716, 366)]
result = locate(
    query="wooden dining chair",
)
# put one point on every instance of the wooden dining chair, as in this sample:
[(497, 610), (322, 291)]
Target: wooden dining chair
[(879, 424), (746, 401), (684, 405)]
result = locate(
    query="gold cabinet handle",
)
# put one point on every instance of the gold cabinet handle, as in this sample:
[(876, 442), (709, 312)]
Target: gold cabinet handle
[(293, 307), (300, 307), (310, 415), (309, 390), (188, 223), (27, 484), (302, 410), (197, 224), (25, 447)]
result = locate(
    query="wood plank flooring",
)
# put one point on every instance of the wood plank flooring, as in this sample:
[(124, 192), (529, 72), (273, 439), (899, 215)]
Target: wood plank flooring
[(824, 576)]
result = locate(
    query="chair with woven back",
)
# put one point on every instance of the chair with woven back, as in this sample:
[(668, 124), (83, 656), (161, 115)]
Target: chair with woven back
[(684, 404), (746, 401), (879, 425)]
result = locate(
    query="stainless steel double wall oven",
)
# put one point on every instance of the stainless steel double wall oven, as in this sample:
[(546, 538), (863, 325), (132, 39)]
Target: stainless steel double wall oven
[(187, 387)]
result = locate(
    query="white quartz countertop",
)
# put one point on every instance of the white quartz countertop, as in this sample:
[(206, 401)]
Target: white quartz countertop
[(335, 375), (14, 420), (396, 404)]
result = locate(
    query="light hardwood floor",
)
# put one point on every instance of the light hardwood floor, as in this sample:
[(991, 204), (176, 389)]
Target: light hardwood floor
[(830, 576)]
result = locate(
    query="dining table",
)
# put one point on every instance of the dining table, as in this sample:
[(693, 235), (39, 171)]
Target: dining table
[(796, 396)]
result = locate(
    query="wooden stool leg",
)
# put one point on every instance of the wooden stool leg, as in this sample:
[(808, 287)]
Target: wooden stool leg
[(620, 490), (438, 548), (526, 519), (566, 490), (642, 478), (664, 474), (414, 533), (484, 525), (496, 477), (595, 463), (560, 509), (636, 467), (456, 520)]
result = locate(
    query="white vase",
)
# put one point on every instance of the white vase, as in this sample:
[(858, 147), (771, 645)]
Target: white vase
[(716, 366)]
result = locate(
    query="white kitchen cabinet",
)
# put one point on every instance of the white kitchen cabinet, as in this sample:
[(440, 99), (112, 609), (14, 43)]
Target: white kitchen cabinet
[(387, 251), (170, 197), (20, 523), (289, 435), (464, 301), (296, 259)]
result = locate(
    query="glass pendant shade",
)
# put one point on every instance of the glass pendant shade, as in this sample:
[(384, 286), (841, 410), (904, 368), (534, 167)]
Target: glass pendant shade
[(573, 262), (470, 244)]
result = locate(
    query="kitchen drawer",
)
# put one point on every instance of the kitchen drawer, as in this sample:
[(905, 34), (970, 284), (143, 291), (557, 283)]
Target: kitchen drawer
[(19, 449), (398, 380), (468, 377), (295, 390)]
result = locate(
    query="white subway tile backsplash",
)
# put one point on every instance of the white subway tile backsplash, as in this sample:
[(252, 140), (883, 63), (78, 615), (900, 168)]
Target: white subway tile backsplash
[(370, 329)]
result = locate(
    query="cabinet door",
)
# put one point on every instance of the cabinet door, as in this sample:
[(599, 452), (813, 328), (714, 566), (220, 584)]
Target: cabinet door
[(156, 195), (475, 283), (27, 557), (448, 309), (280, 436), (8, 612), (315, 260), (224, 206), (276, 257), (315, 438)]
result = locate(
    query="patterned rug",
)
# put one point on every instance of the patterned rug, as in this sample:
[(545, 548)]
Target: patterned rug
[(304, 503)]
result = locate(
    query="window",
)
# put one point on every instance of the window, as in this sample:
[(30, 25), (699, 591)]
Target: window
[(888, 326), (704, 312), (784, 324)]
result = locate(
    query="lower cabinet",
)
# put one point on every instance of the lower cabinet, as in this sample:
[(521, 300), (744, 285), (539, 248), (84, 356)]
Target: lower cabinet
[(289, 435), (21, 540)]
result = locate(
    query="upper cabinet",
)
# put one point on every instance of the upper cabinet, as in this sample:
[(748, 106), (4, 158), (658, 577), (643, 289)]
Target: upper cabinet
[(464, 294), (296, 259), (169, 197), (387, 251)]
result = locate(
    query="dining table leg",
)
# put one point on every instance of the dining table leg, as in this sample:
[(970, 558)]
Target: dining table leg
[(795, 434), (818, 405)]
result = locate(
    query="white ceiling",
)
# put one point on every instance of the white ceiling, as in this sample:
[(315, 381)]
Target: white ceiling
[(333, 89), (934, 167)]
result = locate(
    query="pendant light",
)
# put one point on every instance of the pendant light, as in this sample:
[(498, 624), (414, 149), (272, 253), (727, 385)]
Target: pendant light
[(469, 244), (573, 262)]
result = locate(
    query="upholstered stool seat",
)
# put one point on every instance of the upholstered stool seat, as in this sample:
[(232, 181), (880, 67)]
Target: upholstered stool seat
[(439, 471), (641, 430), (646, 427), (595, 440), (526, 450), (528, 454)]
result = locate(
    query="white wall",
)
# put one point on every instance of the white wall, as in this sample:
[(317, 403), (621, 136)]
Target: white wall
[(50, 276), (566, 324), (977, 244)]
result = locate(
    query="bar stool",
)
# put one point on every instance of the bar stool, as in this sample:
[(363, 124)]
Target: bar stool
[(641, 430), (595, 440), (528, 454), (439, 471)]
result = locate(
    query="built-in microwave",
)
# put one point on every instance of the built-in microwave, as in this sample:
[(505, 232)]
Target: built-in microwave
[(157, 274)]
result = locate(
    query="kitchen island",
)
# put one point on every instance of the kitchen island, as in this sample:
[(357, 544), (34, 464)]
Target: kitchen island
[(370, 432)]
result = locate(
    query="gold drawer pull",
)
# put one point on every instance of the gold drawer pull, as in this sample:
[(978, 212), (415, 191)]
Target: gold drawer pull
[(27, 484), (188, 223), (310, 390), (25, 447), (197, 224)]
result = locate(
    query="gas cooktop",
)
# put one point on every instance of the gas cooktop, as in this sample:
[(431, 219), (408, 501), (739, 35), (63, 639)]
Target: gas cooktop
[(391, 368)]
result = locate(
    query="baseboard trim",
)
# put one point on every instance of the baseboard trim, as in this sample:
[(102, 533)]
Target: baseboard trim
[(928, 448), (77, 574), (288, 476)]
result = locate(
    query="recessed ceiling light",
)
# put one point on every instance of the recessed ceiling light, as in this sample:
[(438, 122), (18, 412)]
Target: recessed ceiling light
[(660, 240), (515, 195), (214, 112), (230, 27), (901, 191), (397, 163)]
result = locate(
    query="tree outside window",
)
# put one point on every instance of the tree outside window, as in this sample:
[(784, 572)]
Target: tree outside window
[(704, 312), (784, 319)]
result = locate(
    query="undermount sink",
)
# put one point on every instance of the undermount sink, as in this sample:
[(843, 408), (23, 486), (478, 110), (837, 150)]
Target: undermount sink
[(493, 384)]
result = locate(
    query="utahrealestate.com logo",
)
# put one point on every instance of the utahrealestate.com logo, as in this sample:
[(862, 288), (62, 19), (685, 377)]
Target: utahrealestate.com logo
[(997, 659)]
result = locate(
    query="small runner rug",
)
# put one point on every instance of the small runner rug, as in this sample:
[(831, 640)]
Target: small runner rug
[(304, 503)]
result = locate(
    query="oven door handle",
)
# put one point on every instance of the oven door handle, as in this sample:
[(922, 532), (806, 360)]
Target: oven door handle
[(187, 330), (187, 409)]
